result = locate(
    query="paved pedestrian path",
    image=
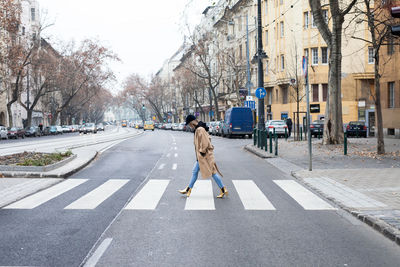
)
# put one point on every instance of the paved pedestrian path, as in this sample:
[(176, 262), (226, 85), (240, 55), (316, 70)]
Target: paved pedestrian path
[(148, 197)]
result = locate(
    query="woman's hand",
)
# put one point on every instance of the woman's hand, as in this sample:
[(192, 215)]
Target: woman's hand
[(202, 154)]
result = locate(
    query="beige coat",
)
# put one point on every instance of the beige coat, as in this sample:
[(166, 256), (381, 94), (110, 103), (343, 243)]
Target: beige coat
[(202, 144)]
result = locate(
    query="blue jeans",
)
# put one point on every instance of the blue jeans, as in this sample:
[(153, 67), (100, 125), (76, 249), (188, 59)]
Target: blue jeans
[(195, 173)]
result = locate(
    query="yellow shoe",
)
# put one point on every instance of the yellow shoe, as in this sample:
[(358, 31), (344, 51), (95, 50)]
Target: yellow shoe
[(224, 192), (186, 191)]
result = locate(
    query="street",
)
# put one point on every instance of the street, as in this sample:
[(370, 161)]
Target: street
[(124, 209)]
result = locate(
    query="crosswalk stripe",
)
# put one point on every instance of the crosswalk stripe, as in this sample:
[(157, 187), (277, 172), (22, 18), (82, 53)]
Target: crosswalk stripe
[(175, 166), (94, 198), (251, 196), (303, 196), (161, 166), (201, 197), (41, 197), (149, 196)]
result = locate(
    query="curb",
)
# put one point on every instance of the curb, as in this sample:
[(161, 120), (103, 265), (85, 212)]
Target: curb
[(51, 175), (258, 152), (379, 225), (13, 168)]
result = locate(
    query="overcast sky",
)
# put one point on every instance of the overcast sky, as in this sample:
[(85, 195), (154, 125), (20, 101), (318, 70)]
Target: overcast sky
[(143, 33)]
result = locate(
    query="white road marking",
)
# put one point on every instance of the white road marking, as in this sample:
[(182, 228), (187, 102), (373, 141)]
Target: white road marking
[(161, 166), (41, 197), (176, 155), (97, 196), (201, 197), (251, 196), (175, 166), (168, 155), (94, 259), (149, 196), (304, 197), (175, 148)]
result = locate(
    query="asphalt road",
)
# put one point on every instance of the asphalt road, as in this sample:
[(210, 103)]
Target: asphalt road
[(225, 234)]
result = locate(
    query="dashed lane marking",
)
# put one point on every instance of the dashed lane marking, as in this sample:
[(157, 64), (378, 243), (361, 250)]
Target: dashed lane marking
[(161, 166), (175, 166)]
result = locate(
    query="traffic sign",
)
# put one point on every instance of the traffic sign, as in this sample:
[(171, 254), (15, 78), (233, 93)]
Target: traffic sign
[(249, 98), (305, 66), (261, 93), (250, 104)]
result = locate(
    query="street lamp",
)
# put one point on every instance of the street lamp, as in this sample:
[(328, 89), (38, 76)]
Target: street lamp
[(260, 55)]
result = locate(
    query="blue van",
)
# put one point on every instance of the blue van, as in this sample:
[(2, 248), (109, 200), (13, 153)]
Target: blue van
[(238, 121)]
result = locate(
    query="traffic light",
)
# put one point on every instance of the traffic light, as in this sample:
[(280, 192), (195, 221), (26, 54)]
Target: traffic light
[(395, 29)]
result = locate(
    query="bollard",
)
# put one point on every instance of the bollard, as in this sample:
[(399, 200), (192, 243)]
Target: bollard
[(345, 143), (255, 136), (286, 134), (276, 146), (270, 142), (266, 140), (301, 133), (262, 139), (258, 138)]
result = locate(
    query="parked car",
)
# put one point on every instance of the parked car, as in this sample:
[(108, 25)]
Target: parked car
[(181, 126), (100, 127), (66, 129), (175, 127), (238, 121), (89, 128), (356, 128), (15, 132), (3, 132), (168, 126), (59, 129), (279, 126), (32, 131), (75, 128), (317, 128), (216, 128), (53, 130)]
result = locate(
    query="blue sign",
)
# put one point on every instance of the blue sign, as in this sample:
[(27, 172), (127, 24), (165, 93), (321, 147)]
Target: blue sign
[(305, 66), (250, 104), (261, 93)]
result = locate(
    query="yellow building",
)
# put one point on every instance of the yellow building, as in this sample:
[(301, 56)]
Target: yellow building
[(289, 34)]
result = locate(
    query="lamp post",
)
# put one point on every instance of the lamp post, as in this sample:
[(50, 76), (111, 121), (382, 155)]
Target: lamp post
[(260, 54)]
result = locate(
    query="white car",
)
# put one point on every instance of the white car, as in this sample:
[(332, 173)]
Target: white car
[(3, 132), (181, 126), (175, 127), (59, 130), (278, 125)]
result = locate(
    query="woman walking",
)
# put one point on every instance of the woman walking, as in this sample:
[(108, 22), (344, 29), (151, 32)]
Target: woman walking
[(205, 162)]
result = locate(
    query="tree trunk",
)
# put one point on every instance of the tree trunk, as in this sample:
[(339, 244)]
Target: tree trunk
[(10, 117), (216, 104), (333, 127), (29, 119), (378, 110)]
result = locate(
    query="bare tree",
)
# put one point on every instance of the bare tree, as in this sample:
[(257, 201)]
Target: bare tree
[(235, 74), (333, 128), (378, 18)]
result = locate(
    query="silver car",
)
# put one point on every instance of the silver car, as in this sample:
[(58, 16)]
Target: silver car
[(3, 132), (279, 126)]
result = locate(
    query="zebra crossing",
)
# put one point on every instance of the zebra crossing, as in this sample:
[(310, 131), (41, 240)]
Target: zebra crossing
[(149, 196)]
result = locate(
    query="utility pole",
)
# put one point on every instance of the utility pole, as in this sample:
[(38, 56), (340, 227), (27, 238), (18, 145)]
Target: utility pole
[(261, 115), (305, 71)]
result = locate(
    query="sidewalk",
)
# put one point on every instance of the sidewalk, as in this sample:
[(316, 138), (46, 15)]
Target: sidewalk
[(18, 185), (363, 183)]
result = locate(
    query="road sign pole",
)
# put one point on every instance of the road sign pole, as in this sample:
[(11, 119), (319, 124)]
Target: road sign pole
[(305, 70)]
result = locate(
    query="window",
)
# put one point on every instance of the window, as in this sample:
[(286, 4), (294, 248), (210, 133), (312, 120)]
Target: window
[(276, 95), (306, 20), (266, 37), (391, 95), (324, 54), (33, 14), (313, 21), (370, 55), (390, 47), (23, 30), (315, 93), (324, 91), (325, 15), (266, 7), (314, 54), (282, 29), (281, 2), (282, 62)]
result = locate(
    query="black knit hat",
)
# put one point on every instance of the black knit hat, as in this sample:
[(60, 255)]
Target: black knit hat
[(190, 118)]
